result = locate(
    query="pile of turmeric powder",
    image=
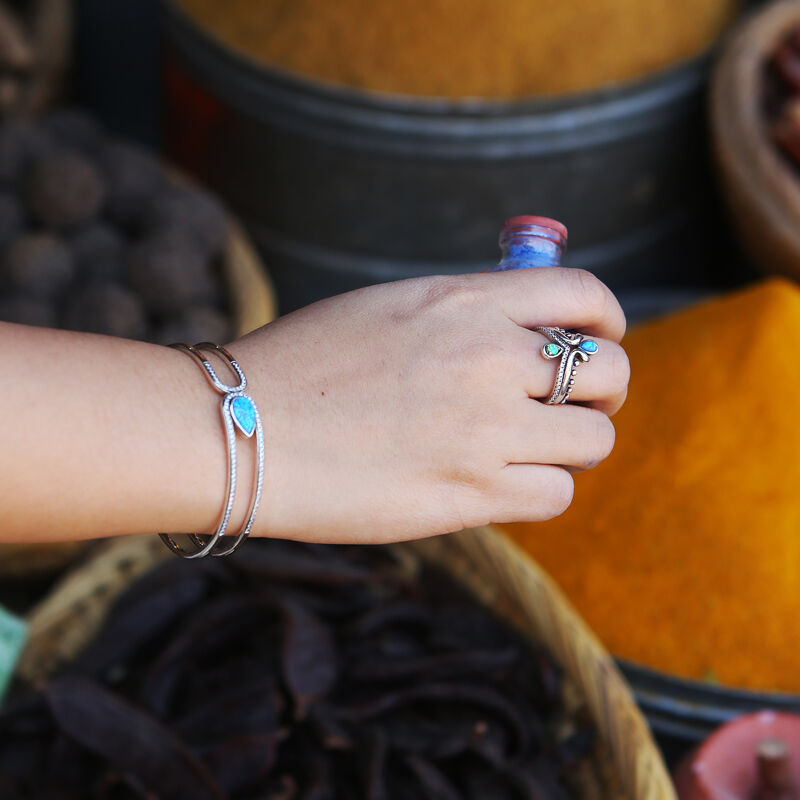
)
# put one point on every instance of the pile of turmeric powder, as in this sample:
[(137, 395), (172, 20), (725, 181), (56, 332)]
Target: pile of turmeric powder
[(682, 550), (467, 48)]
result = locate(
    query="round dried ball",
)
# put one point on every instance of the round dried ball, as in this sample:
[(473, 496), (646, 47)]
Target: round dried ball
[(64, 190), (133, 178), (21, 142), (106, 308), (38, 264), (74, 129), (197, 324), (11, 217), (27, 310), (191, 210), (170, 273), (99, 252)]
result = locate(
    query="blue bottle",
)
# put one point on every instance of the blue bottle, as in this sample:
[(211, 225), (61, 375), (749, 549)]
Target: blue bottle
[(531, 242)]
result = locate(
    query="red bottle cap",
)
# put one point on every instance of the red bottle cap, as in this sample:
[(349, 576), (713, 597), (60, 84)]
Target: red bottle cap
[(542, 222)]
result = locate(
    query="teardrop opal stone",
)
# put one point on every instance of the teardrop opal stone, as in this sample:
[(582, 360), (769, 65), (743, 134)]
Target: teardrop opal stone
[(552, 349), (588, 346), (244, 414)]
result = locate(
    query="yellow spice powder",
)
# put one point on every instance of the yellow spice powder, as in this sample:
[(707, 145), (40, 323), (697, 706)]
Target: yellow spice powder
[(467, 48), (683, 549)]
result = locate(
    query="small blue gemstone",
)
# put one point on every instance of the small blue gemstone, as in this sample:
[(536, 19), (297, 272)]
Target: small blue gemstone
[(588, 346), (244, 414)]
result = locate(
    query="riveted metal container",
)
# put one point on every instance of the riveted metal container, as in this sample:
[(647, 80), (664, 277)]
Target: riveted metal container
[(343, 187)]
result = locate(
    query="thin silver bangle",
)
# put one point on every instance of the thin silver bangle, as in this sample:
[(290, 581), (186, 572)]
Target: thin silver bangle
[(238, 411)]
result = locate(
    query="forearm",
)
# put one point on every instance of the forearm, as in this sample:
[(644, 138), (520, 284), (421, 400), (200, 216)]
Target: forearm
[(105, 436)]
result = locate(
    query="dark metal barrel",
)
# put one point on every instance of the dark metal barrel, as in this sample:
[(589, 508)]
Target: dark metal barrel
[(343, 187), (683, 712)]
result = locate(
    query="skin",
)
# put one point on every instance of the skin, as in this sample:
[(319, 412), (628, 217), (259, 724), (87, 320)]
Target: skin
[(392, 412)]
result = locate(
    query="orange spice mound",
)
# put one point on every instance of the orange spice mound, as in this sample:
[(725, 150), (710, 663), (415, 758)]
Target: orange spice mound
[(682, 550), (467, 48)]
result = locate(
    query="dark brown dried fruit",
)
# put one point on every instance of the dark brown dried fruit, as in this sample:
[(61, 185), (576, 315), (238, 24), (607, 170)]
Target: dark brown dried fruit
[(309, 657), (130, 740), (38, 264), (787, 62), (74, 129), (170, 273), (64, 190), (196, 213), (99, 252), (96, 240), (27, 310), (787, 129), (106, 308), (133, 178), (197, 324), (11, 218), (260, 694), (21, 142)]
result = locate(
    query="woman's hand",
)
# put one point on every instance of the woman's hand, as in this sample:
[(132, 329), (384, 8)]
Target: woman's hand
[(404, 410)]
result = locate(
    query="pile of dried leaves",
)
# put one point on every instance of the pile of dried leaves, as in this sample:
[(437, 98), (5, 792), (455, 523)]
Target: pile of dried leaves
[(295, 671)]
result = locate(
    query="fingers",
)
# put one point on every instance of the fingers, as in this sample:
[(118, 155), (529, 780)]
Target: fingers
[(531, 493), (600, 382), (567, 298), (569, 436)]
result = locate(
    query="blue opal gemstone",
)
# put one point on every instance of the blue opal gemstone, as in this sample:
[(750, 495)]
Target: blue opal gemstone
[(588, 346), (244, 414)]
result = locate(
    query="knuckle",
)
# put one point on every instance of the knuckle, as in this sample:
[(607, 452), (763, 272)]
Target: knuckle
[(560, 493), (468, 475), (588, 291), (479, 356), (604, 435), (620, 368), (450, 293)]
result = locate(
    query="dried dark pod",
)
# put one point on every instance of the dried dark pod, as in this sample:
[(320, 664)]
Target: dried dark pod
[(21, 142), (64, 190), (11, 217), (74, 129), (197, 324), (106, 308), (267, 690), (27, 310), (170, 273), (192, 211), (133, 178), (39, 264)]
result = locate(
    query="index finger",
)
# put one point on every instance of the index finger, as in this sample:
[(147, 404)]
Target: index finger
[(556, 296)]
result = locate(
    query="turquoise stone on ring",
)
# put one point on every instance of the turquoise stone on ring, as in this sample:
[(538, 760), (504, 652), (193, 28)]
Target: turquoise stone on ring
[(588, 346), (244, 414), (553, 350)]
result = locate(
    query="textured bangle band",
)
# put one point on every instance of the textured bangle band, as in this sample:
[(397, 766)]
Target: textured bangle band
[(239, 411)]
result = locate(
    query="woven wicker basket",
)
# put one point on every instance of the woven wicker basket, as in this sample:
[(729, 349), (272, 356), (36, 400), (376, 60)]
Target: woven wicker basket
[(759, 184), (253, 300), (627, 764)]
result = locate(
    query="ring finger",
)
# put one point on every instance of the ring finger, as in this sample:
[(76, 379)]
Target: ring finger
[(601, 382)]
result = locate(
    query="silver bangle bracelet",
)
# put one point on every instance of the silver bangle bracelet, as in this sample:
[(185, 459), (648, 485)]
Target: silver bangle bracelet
[(239, 411)]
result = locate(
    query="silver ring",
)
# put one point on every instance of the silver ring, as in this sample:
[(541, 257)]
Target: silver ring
[(573, 349)]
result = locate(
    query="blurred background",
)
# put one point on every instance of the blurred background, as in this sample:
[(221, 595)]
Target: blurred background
[(186, 169), (361, 145)]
